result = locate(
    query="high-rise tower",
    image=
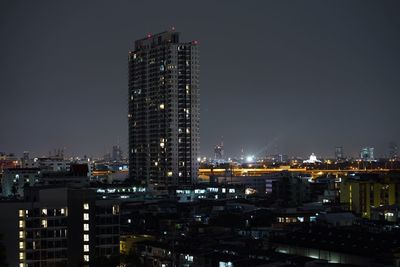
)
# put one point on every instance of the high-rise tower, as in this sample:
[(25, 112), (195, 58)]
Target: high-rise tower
[(163, 111)]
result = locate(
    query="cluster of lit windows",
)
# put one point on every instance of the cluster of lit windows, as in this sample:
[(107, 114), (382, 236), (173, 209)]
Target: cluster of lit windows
[(21, 235), (85, 232)]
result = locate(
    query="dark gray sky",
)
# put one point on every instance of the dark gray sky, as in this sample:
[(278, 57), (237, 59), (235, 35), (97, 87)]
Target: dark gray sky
[(305, 76)]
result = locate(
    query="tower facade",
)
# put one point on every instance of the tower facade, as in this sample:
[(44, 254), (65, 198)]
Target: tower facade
[(339, 155), (163, 111)]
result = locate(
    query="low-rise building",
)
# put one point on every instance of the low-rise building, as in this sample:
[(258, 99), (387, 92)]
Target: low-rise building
[(59, 227)]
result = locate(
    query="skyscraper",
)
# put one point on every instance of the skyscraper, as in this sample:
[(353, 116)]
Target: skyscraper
[(116, 153), (393, 151), (339, 155), (367, 154), (163, 110)]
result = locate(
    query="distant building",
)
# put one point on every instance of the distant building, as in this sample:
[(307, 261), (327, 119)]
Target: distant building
[(219, 152), (367, 154), (14, 180), (51, 164), (163, 111), (367, 191), (8, 161), (312, 160), (59, 227), (290, 190), (339, 155), (393, 151), (25, 155), (277, 158), (116, 154)]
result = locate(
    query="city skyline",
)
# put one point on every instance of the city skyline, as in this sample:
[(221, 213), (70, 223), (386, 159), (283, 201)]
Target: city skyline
[(305, 78)]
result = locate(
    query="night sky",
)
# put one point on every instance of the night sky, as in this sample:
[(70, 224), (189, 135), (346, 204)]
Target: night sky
[(276, 76)]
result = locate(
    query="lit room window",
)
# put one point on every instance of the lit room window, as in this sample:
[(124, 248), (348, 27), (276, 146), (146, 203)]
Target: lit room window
[(21, 224), (86, 206), (44, 223), (21, 256), (86, 216), (21, 213), (22, 264), (21, 245), (44, 211), (86, 258), (21, 234), (63, 211), (161, 106), (85, 248), (85, 237), (86, 227), (115, 209)]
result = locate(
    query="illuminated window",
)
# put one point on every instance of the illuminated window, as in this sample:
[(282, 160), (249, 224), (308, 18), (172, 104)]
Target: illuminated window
[(161, 106), (44, 211), (86, 258), (21, 256), (169, 174), (225, 264), (21, 213), (44, 223), (162, 144), (21, 234), (85, 248), (21, 245), (63, 211), (86, 206), (21, 224), (115, 209), (22, 264), (85, 237), (86, 227), (86, 216)]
